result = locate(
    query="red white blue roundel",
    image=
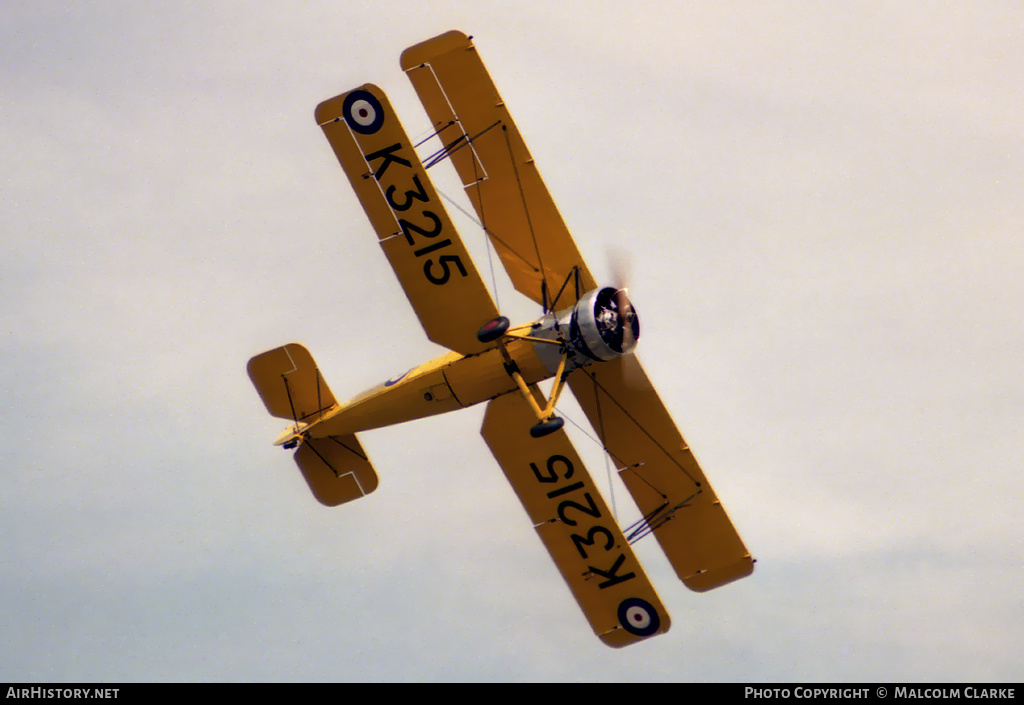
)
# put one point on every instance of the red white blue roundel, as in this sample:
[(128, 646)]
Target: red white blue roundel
[(638, 617), (363, 112)]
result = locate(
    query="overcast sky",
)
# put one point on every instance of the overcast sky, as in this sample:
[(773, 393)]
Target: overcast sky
[(821, 208)]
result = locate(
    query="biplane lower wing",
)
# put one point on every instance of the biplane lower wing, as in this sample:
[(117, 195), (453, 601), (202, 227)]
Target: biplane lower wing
[(574, 524), (658, 468), (495, 166), (414, 230), (289, 383)]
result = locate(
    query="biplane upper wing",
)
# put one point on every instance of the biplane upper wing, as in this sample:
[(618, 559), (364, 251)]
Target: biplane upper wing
[(574, 524), (496, 168), (658, 468), (414, 229)]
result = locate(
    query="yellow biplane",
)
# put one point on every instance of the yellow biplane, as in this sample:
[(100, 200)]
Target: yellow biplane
[(584, 340)]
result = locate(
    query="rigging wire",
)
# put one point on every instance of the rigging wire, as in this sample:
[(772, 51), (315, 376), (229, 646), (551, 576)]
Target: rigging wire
[(640, 426), (435, 133), (604, 444), (445, 152), (526, 208), (483, 226), (463, 140)]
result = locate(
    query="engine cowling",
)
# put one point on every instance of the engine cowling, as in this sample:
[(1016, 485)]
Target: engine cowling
[(604, 324)]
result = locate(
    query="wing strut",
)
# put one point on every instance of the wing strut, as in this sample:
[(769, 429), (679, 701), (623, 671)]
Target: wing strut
[(462, 140), (648, 523), (432, 135), (574, 274)]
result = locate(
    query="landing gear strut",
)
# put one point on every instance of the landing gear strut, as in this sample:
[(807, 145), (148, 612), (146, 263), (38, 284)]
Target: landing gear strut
[(547, 422)]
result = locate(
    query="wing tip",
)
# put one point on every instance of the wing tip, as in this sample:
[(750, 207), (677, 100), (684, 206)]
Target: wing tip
[(620, 636), (330, 110), (710, 579), (419, 54)]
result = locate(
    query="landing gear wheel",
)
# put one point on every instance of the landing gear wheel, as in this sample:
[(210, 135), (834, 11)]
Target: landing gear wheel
[(493, 330), (545, 427)]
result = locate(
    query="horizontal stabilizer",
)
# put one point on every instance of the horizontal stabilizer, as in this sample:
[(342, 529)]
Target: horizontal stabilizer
[(289, 383), (336, 469)]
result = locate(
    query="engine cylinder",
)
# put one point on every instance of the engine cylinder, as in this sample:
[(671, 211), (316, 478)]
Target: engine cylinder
[(604, 324)]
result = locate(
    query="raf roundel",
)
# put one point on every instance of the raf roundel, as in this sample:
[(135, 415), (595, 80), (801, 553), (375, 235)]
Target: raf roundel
[(363, 112), (638, 617)]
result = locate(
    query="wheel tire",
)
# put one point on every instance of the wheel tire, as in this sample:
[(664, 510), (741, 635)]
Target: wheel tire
[(492, 330), (546, 427)]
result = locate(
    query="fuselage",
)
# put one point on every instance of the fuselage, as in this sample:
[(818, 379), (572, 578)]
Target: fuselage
[(600, 326), (449, 382)]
